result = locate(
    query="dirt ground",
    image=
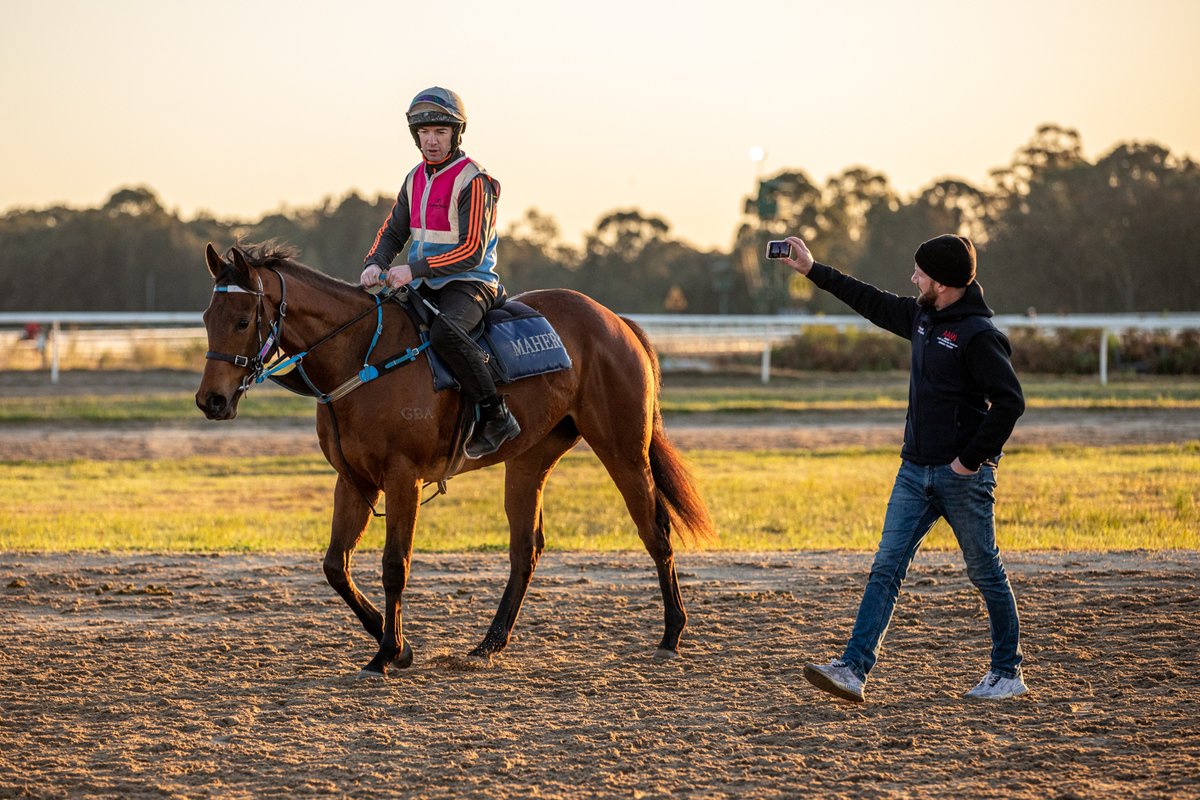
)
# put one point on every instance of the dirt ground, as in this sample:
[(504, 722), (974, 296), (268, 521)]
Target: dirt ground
[(235, 676)]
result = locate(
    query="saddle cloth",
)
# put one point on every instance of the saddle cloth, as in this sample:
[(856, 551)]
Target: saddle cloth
[(520, 343)]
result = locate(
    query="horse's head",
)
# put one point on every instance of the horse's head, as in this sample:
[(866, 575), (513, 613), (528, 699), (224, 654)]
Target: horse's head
[(241, 333)]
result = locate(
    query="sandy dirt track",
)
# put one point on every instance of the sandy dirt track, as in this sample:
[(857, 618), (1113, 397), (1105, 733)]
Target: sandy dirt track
[(234, 676)]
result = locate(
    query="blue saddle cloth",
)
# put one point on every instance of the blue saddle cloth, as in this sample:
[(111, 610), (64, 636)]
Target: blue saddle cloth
[(520, 343)]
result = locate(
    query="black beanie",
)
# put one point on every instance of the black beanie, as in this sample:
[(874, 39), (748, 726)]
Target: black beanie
[(948, 259)]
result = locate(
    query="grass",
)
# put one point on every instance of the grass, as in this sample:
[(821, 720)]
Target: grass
[(681, 395), (1079, 499)]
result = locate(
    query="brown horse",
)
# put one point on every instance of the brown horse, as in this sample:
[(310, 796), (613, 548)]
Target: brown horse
[(394, 434)]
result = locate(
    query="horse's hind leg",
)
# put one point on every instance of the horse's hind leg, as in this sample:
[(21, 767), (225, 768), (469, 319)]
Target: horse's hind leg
[(524, 478), (350, 517), (625, 458)]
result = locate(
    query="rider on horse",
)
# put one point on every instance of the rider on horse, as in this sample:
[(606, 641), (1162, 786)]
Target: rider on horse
[(447, 210)]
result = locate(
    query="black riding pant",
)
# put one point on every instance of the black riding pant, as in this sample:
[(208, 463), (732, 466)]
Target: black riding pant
[(462, 303)]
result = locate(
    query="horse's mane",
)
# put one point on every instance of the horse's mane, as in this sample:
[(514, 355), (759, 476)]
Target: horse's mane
[(277, 255), (270, 253)]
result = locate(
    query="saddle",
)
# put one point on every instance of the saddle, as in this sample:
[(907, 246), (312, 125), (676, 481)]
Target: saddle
[(517, 342)]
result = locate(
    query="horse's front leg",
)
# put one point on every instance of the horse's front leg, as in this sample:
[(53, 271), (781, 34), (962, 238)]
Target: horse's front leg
[(403, 500), (351, 514)]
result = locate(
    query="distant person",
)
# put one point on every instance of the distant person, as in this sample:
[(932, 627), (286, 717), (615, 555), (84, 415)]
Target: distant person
[(963, 402), (446, 211), (34, 332)]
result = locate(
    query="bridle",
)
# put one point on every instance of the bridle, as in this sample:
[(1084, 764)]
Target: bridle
[(256, 364)]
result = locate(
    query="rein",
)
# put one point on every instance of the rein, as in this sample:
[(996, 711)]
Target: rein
[(259, 370)]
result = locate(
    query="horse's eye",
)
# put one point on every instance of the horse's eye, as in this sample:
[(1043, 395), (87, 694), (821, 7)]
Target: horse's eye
[(243, 324)]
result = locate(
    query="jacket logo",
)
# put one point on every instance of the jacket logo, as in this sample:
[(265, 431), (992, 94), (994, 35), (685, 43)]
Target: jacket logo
[(948, 339)]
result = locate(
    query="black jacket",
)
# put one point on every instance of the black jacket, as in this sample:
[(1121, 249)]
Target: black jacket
[(963, 395)]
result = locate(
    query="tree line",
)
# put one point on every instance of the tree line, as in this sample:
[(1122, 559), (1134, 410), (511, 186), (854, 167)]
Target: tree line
[(1055, 232)]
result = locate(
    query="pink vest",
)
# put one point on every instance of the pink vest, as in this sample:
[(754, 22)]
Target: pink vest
[(433, 205)]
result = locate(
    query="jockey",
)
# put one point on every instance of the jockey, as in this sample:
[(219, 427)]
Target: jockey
[(446, 213)]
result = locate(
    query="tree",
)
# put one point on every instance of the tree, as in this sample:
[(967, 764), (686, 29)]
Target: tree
[(786, 204), (532, 256), (846, 204)]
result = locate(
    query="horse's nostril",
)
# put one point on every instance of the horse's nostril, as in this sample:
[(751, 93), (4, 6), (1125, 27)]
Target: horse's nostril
[(216, 402)]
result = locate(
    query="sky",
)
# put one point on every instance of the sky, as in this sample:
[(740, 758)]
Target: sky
[(237, 109)]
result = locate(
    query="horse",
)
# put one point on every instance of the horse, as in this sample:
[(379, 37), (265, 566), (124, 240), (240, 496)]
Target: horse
[(265, 303)]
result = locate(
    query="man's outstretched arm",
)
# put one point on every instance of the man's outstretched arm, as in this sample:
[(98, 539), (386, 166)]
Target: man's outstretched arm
[(890, 312)]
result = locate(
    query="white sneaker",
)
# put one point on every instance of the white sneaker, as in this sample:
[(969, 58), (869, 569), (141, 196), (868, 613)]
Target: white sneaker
[(836, 678), (995, 686)]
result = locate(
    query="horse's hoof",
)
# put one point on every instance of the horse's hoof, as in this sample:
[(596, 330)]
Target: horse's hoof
[(370, 673), (663, 654), (480, 656), (484, 652), (405, 659)]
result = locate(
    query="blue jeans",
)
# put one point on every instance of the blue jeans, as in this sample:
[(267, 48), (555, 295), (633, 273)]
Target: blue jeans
[(919, 497)]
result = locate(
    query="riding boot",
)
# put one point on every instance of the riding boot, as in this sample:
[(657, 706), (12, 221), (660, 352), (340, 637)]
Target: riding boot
[(496, 426)]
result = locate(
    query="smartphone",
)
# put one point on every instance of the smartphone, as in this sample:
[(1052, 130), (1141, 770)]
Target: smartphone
[(778, 249)]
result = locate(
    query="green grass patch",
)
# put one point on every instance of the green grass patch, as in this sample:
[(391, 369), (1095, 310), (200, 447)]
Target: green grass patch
[(1081, 498)]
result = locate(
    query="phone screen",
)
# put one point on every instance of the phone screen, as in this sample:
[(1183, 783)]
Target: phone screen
[(778, 249)]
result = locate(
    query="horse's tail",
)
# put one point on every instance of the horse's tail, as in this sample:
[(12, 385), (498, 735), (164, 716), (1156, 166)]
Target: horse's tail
[(679, 502)]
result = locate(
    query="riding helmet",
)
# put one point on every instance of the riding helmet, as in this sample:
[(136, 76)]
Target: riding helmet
[(437, 106)]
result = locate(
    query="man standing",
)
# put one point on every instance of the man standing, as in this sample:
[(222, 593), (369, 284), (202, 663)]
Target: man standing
[(963, 401), (447, 208)]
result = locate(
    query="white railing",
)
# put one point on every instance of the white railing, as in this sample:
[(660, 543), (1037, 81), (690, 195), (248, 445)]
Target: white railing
[(683, 334), (672, 334)]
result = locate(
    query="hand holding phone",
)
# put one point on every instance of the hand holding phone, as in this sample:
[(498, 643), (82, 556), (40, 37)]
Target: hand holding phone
[(793, 252), (778, 249)]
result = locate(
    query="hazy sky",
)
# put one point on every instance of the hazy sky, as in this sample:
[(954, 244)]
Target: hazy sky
[(240, 107)]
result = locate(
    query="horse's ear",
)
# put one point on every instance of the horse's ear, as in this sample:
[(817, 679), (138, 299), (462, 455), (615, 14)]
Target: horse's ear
[(215, 265), (239, 261)]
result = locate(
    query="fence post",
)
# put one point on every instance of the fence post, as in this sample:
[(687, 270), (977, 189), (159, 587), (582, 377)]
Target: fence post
[(55, 333), (766, 360), (1104, 356)]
